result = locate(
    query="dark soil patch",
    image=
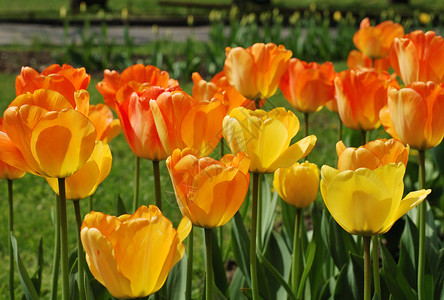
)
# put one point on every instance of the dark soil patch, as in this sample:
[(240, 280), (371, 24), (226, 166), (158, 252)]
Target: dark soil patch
[(12, 61)]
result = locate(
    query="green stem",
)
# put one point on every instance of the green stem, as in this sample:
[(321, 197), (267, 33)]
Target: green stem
[(156, 171), (209, 265), (136, 183), (306, 124), (56, 259), (11, 229), (367, 268), (80, 255), (91, 203), (295, 264), (363, 137), (422, 223), (222, 150), (64, 240), (340, 129), (253, 267), (189, 265), (375, 258)]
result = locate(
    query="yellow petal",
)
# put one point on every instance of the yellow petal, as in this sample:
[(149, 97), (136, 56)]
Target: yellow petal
[(411, 200), (184, 228)]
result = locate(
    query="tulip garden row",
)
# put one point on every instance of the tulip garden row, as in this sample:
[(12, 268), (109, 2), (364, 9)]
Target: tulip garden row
[(253, 201)]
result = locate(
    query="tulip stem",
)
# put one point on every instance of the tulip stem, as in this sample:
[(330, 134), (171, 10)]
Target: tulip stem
[(189, 265), (209, 264), (422, 223), (253, 267), (375, 258), (156, 171), (11, 229), (340, 129), (367, 268), (363, 137), (222, 150), (56, 260), (295, 265), (136, 183), (64, 240), (306, 124), (80, 254)]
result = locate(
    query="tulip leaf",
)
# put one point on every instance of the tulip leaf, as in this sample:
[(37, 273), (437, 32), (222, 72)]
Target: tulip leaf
[(28, 287), (241, 246), (439, 278), (175, 285), (408, 252), (237, 282), (350, 282), (218, 264), (328, 289), (395, 280), (121, 209), (310, 259), (36, 278), (267, 208), (288, 219)]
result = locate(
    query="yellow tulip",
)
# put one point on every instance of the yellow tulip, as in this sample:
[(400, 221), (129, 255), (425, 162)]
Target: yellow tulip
[(265, 137), (367, 202), (209, 192), (84, 182), (132, 255), (297, 185)]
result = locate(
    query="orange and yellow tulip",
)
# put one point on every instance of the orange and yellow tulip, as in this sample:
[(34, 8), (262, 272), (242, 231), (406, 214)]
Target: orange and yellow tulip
[(132, 255), (372, 155), (116, 88), (7, 171), (209, 192), (417, 57), (375, 41), (360, 95), (85, 181), (265, 137), (44, 135), (102, 117), (297, 185), (367, 202), (308, 86), (414, 114), (357, 59), (256, 71), (63, 79)]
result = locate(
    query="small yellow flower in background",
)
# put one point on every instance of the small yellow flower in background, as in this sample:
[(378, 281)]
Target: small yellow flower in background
[(367, 202), (337, 16), (297, 185), (424, 18), (132, 255), (265, 137)]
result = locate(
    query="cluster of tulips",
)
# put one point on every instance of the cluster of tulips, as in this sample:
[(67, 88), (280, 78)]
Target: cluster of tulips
[(50, 130)]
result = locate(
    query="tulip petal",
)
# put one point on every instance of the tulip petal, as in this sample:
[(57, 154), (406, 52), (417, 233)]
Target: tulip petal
[(184, 228), (411, 200), (293, 153)]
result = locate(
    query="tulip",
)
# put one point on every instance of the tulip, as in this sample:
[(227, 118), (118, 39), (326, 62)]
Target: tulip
[(308, 86), (417, 57), (84, 182), (372, 155), (132, 255), (256, 71), (357, 59), (265, 137), (360, 95), (44, 135), (116, 87), (63, 79), (103, 120), (209, 192), (367, 202), (414, 114), (375, 41), (297, 185), (7, 171)]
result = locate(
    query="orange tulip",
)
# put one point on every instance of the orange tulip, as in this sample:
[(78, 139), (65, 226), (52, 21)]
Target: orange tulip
[(208, 192), (308, 86), (63, 79), (372, 155), (417, 57), (375, 41), (414, 114), (85, 181), (44, 135), (132, 255), (115, 87), (7, 171), (357, 59), (360, 95), (151, 121), (256, 71), (102, 117)]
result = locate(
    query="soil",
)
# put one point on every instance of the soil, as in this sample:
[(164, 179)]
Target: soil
[(12, 61)]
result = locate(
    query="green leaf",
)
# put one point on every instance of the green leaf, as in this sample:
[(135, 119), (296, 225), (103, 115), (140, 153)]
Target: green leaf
[(408, 252), (121, 209), (175, 285), (310, 259), (439, 278), (394, 278), (241, 246), (267, 205), (350, 282), (218, 264), (288, 219), (237, 282), (28, 286)]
